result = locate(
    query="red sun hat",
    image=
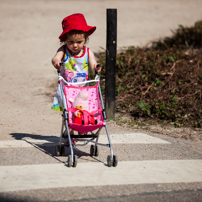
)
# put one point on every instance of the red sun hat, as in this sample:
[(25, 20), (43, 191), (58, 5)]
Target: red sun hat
[(75, 22)]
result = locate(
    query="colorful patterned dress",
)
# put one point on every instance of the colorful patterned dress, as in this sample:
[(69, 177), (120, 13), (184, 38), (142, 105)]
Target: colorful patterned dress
[(75, 69)]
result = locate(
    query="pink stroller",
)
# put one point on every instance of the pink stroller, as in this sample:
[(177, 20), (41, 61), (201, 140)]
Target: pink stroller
[(83, 112)]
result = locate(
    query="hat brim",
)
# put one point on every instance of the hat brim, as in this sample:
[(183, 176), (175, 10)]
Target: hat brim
[(89, 29)]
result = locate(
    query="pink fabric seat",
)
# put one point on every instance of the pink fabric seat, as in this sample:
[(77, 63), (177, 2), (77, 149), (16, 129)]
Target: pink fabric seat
[(92, 118)]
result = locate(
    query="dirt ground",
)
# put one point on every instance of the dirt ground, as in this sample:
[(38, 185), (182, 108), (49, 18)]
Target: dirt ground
[(29, 31)]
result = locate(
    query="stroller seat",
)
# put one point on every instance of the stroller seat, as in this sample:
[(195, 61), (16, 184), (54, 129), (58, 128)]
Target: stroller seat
[(91, 117)]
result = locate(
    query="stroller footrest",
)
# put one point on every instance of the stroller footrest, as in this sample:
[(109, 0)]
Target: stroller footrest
[(85, 128), (84, 136)]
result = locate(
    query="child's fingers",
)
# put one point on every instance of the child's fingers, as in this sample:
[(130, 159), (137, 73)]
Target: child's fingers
[(98, 68), (58, 65)]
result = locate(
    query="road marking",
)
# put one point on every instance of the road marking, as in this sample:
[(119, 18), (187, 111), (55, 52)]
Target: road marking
[(130, 138), (27, 177), (14, 144), (134, 138), (25, 143)]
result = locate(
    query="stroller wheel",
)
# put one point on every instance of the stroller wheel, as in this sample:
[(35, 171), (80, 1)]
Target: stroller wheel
[(60, 150), (92, 150), (96, 150), (109, 161), (57, 149), (69, 160), (75, 161), (115, 160)]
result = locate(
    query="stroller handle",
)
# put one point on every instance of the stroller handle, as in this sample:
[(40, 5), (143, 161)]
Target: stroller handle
[(59, 69), (98, 65), (96, 73)]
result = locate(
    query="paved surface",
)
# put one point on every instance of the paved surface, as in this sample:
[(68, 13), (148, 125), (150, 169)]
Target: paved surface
[(151, 167)]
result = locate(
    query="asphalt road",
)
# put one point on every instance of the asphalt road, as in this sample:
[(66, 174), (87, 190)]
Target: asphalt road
[(150, 168)]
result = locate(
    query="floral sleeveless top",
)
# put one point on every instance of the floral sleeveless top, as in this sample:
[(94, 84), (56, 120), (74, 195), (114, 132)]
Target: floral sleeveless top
[(75, 67)]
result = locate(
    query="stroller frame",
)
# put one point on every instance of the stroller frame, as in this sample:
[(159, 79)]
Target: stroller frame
[(112, 159)]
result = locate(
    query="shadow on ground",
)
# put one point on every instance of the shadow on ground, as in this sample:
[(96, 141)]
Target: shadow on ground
[(49, 145)]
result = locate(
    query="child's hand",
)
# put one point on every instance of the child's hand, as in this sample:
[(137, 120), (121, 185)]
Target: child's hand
[(98, 68), (57, 65)]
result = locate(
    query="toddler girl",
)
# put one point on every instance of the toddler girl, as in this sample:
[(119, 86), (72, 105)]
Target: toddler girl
[(74, 55)]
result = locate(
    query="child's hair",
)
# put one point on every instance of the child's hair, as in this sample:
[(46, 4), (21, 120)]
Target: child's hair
[(75, 32)]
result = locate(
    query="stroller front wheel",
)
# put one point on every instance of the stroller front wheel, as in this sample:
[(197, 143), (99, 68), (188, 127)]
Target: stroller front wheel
[(115, 161), (69, 160), (75, 161), (70, 163), (109, 161), (112, 161)]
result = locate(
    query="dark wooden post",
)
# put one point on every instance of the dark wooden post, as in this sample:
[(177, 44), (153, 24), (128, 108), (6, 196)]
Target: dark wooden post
[(111, 63)]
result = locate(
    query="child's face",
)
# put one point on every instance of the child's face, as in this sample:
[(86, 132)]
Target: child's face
[(75, 43)]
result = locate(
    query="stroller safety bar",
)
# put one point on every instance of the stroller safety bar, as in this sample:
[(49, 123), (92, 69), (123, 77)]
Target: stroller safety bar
[(78, 83)]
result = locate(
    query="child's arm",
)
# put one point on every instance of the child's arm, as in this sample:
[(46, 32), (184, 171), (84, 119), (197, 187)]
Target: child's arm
[(93, 64), (57, 59)]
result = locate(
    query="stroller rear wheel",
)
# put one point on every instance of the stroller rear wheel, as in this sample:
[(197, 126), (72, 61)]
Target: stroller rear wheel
[(92, 150), (96, 150), (60, 150)]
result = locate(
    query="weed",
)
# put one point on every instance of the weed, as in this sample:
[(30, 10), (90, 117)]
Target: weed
[(162, 83)]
